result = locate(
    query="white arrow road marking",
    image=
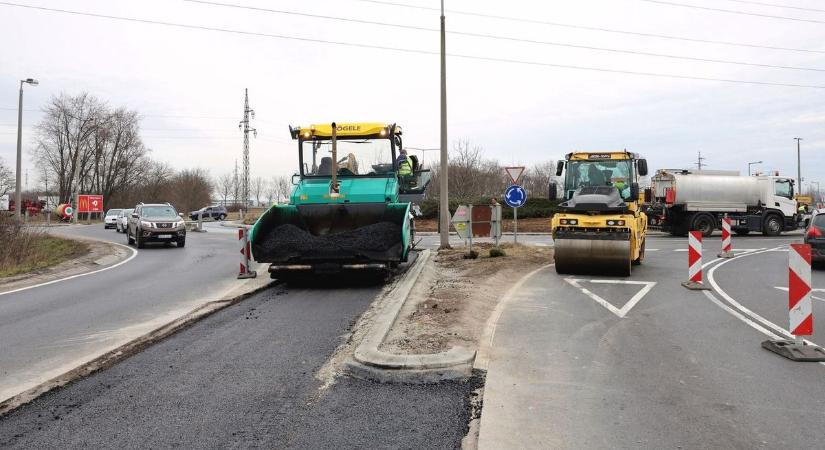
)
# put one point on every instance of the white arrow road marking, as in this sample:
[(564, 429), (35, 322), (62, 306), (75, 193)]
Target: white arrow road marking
[(648, 285), (812, 290)]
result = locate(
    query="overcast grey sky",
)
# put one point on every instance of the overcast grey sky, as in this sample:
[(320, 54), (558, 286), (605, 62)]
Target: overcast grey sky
[(188, 83)]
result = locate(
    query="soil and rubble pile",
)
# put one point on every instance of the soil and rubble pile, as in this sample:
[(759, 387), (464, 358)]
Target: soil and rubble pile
[(290, 239)]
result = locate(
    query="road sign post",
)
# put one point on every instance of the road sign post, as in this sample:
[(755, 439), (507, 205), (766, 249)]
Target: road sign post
[(515, 196)]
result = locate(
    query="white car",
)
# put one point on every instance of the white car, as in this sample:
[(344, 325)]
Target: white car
[(110, 218), (122, 219)]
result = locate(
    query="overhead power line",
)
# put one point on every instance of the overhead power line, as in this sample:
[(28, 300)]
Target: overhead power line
[(509, 38), (409, 50), (775, 5), (733, 11), (589, 28)]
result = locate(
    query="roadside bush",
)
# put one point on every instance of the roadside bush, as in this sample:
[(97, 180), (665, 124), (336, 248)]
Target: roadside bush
[(496, 252), (24, 249), (472, 254), (535, 207), (16, 242)]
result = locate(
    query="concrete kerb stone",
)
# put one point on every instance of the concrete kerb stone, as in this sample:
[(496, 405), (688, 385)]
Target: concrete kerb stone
[(112, 357), (374, 364)]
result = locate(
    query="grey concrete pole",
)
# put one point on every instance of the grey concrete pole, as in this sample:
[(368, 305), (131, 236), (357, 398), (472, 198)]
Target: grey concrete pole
[(444, 204), (798, 166), (18, 195)]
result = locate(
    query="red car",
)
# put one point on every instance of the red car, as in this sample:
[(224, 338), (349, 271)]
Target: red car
[(815, 236)]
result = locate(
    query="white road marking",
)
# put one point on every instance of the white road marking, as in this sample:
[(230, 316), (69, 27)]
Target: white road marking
[(745, 311), (739, 316), (781, 288), (648, 285), (740, 250), (134, 253)]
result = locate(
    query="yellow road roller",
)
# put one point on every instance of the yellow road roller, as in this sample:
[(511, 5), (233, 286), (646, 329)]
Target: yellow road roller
[(599, 228)]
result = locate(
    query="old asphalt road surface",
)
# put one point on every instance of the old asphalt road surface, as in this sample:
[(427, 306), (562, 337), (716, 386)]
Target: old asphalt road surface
[(246, 377), (48, 330), (680, 369)]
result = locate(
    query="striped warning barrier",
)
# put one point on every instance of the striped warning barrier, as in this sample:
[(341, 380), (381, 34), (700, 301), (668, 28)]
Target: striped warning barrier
[(800, 310), (245, 271), (727, 245), (799, 290), (694, 262)]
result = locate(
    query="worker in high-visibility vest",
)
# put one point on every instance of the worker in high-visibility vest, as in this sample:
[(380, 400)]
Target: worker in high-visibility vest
[(405, 164)]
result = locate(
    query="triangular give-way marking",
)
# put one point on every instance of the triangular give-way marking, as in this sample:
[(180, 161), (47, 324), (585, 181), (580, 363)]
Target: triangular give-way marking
[(648, 285)]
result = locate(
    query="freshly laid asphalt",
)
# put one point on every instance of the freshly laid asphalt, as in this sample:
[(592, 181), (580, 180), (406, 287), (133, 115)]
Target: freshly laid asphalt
[(245, 377), (49, 330)]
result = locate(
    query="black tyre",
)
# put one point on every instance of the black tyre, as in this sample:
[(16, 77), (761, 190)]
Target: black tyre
[(222, 217), (704, 223), (181, 243), (139, 240), (772, 226), (129, 240)]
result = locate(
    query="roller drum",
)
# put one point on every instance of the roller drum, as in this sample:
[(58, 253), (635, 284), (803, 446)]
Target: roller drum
[(593, 254)]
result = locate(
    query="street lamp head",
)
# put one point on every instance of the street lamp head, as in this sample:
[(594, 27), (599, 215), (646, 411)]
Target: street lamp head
[(31, 81)]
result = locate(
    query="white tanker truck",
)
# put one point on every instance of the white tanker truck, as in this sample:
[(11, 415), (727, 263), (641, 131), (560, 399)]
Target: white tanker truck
[(683, 200)]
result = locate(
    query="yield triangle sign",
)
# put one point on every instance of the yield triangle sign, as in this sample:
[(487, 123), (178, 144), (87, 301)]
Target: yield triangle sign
[(622, 311), (514, 173)]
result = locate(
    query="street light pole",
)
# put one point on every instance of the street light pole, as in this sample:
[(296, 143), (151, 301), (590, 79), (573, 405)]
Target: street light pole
[(750, 164), (798, 164), (444, 204), (18, 194)]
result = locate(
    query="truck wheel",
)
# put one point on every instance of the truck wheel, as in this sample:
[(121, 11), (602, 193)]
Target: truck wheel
[(773, 226), (704, 223)]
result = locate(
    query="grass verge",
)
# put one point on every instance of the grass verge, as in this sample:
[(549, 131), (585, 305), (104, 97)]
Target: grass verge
[(26, 249)]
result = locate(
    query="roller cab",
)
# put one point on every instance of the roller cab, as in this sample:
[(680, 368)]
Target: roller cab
[(599, 228), (344, 211)]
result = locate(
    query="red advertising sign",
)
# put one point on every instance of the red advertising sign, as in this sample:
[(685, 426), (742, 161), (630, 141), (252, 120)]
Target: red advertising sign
[(89, 203)]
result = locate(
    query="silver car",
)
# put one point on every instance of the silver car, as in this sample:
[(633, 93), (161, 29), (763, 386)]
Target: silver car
[(110, 218), (122, 220)]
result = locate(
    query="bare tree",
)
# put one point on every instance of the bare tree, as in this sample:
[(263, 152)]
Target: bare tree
[(271, 191), (65, 140), (257, 187), (226, 186), (7, 180), (538, 177), (284, 186), (119, 157), (190, 189)]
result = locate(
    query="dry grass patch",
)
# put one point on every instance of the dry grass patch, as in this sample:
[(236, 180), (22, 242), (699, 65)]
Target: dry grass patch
[(26, 249)]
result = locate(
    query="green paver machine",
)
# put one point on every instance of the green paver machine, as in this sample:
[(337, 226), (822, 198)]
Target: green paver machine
[(349, 209)]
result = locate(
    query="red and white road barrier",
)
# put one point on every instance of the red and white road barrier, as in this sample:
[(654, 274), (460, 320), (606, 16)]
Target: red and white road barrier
[(727, 245), (694, 261), (799, 290), (246, 254), (800, 310)]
